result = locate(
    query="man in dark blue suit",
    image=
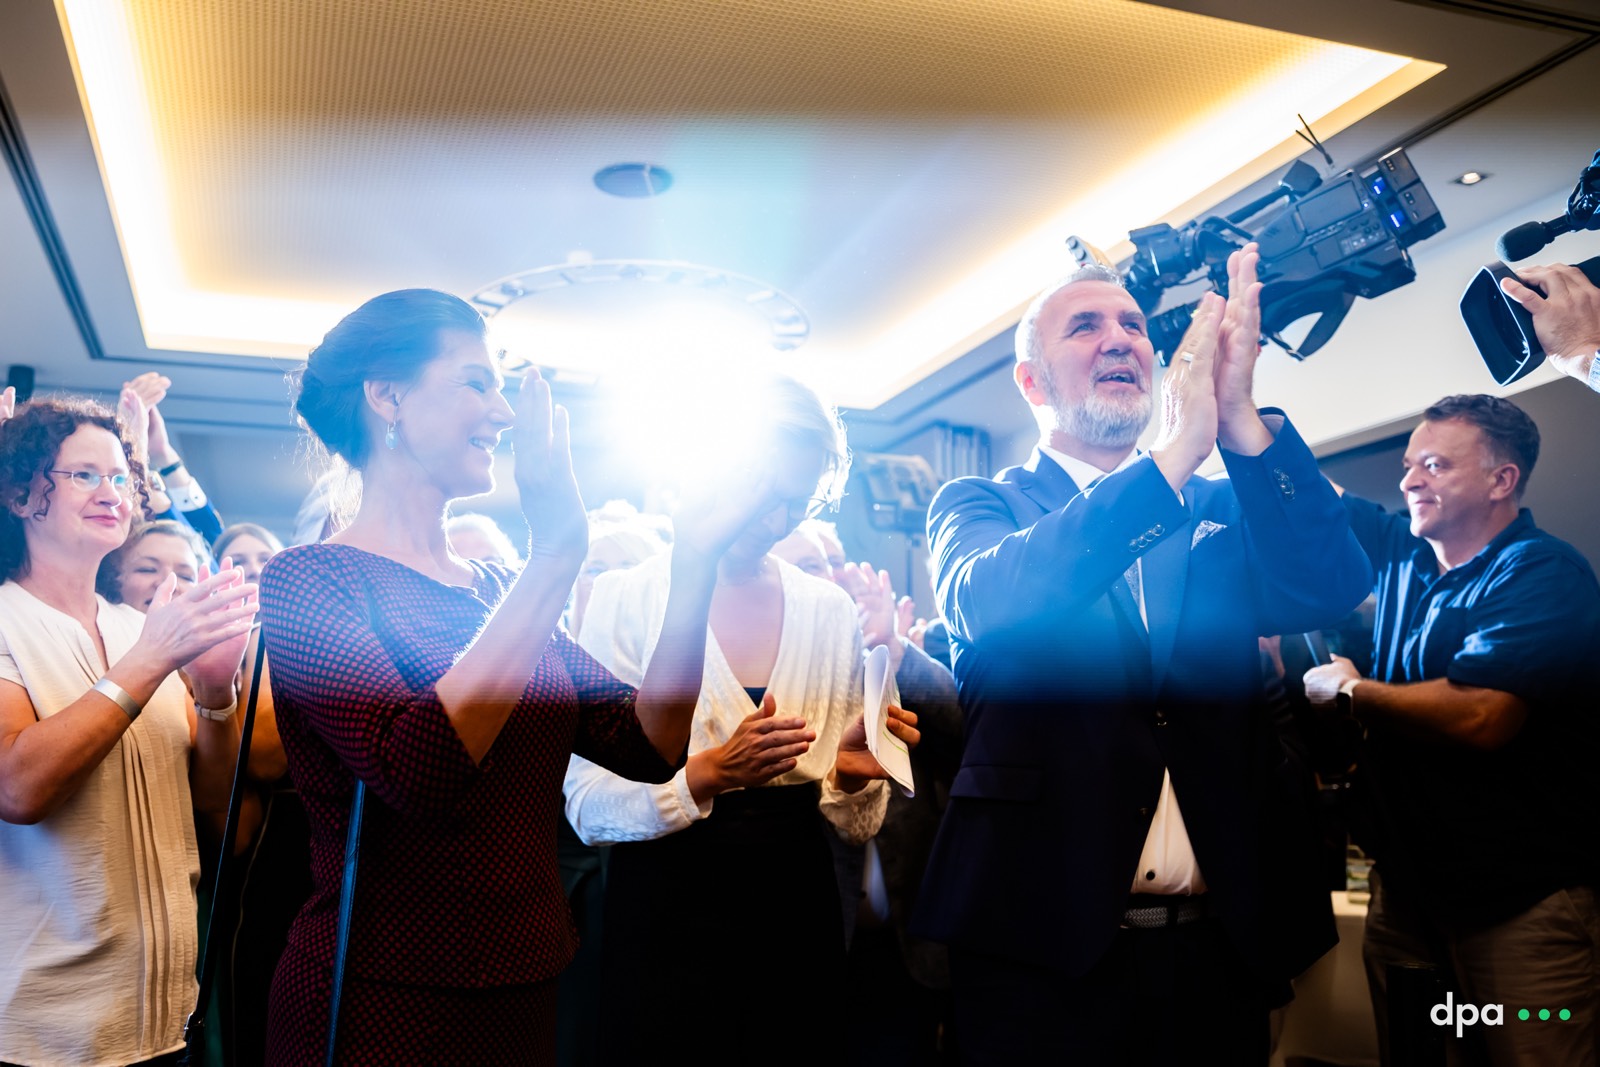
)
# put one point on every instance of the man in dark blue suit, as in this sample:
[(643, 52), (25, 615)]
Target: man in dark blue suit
[(1123, 875)]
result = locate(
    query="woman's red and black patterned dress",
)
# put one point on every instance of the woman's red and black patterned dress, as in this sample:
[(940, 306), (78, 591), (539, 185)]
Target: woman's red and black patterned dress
[(460, 924)]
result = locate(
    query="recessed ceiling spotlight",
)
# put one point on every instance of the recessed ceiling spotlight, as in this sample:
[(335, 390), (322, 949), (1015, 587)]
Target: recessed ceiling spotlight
[(633, 180), (1471, 177)]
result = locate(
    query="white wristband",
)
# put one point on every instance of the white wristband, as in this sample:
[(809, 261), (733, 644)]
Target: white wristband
[(218, 714), (1594, 372), (119, 696)]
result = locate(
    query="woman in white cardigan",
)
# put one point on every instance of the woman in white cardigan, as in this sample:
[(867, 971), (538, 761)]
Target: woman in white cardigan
[(725, 872)]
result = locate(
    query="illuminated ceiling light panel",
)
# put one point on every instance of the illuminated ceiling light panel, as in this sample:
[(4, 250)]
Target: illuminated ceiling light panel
[(1238, 140)]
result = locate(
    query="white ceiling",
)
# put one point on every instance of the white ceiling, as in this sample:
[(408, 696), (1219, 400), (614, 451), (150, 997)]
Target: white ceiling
[(946, 163)]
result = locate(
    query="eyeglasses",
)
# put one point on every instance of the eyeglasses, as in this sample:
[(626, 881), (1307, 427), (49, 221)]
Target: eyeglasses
[(89, 481), (800, 510)]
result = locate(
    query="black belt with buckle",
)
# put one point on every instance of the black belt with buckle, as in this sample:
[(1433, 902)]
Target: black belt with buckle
[(1152, 911)]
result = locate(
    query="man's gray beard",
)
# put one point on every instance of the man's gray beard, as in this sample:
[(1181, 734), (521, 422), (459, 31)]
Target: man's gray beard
[(1099, 422)]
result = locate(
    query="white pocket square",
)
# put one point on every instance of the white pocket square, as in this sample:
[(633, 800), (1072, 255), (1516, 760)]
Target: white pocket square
[(1205, 530)]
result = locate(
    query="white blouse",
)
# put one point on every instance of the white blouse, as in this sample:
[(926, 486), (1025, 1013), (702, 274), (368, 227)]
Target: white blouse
[(98, 933), (819, 675)]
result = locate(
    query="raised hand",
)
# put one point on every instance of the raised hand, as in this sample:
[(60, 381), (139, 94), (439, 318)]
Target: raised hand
[(151, 388), (854, 765), (877, 613), (135, 419), (1239, 425), (205, 629), (551, 503), (762, 747), (713, 516), (1189, 398), (8, 403)]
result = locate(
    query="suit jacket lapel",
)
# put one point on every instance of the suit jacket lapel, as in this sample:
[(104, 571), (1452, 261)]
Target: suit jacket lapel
[(1050, 487), (1166, 570), (1045, 483)]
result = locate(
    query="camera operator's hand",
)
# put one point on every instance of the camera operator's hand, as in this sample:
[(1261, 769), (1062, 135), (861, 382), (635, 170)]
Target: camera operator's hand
[(1239, 426), (1189, 398), (1324, 682), (1566, 318)]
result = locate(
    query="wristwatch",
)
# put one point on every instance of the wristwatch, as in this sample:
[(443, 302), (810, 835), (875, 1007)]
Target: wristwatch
[(1345, 701), (1594, 372)]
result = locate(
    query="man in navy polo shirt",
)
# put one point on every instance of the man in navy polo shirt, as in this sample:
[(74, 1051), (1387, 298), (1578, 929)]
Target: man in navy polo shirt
[(1481, 739)]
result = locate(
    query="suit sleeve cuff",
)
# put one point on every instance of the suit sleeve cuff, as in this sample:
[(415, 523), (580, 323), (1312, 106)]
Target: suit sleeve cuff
[(1277, 471)]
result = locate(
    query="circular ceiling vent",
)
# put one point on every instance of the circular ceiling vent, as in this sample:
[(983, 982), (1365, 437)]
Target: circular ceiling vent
[(633, 179)]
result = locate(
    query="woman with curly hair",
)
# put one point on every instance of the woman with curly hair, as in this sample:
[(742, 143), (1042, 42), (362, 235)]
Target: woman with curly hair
[(104, 755)]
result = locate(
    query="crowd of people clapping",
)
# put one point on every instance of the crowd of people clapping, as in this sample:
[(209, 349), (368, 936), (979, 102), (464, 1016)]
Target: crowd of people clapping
[(428, 658), (653, 731)]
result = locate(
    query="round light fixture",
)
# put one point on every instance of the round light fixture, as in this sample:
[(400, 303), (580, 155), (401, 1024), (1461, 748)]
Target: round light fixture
[(587, 294), (1471, 177), (633, 180)]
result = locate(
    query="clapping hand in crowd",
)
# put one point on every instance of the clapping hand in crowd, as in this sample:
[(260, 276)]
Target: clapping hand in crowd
[(541, 440), (1239, 425), (882, 619), (151, 388), (908, 624), (713, 516), (762, 747), (202, 630)]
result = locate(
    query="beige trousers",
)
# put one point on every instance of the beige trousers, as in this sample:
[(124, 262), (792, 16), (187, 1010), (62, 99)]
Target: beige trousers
[(1547, 958)]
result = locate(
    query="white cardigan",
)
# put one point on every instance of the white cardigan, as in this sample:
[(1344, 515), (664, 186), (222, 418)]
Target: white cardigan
[(818, 675)]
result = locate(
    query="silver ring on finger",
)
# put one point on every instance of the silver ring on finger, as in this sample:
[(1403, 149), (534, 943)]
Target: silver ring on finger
[(1187, 357)]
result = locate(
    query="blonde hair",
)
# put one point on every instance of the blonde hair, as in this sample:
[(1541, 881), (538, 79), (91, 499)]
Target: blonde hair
[(798, 415)]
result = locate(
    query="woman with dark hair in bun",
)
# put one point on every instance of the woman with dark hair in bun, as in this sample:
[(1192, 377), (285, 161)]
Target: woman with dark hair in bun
[(104, 755), (449, 689)]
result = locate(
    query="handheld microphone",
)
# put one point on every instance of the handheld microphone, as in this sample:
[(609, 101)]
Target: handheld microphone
[(1583, 213), (1520, 242)]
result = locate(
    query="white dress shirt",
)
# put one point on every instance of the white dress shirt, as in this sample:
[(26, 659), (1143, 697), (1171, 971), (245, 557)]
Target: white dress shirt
[(1167, 852)]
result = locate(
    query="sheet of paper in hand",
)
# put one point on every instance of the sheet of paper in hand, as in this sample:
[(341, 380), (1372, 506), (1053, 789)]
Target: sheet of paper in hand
[(890, 752)]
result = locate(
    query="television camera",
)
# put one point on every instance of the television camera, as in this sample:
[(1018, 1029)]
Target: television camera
[(1333, 241)]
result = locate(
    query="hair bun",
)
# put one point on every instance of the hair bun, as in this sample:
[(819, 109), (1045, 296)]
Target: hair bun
[(391, 337)]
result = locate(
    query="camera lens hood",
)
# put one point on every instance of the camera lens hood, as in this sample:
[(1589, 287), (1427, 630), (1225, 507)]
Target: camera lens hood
[(1500, 327)]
